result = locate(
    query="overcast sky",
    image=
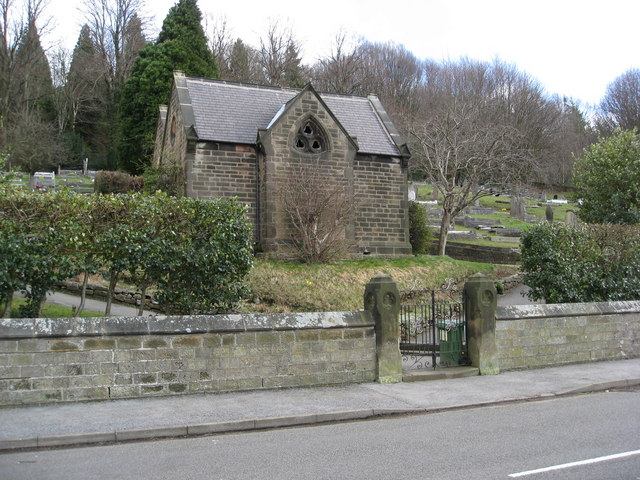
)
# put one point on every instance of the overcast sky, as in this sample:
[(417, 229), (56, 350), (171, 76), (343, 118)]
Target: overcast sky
[(574, 47)]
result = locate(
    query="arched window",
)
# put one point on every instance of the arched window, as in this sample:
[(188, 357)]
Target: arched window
[(172, 133), (310, 138)]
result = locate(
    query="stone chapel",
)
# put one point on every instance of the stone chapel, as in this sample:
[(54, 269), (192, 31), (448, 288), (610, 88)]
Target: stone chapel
[(240, 140)]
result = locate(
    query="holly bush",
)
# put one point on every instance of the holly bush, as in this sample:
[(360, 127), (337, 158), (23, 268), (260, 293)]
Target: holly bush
[(582, 263)]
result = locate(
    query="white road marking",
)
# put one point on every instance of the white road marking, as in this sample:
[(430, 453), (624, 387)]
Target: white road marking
[(576, 464)]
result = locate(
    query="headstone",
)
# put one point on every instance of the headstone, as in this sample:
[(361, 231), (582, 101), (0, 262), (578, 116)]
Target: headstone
[(480, 211), (571, 218), (412, 193), (517, 208), (548, 213)]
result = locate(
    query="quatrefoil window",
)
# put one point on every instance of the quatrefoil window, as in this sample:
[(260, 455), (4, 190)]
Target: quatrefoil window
[(310, 138)]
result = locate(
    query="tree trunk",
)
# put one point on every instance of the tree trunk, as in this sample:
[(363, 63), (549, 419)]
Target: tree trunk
[(41, 303), (444, 232), (83, 293), (7, 307), (112, 286), (143, 294)]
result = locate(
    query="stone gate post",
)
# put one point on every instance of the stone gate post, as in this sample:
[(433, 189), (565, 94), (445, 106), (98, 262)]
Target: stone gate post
[(382, 300), (480, 303)]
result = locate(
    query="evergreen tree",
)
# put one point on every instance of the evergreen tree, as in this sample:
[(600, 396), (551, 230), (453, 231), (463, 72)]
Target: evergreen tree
[(181, 45), (239, 66), (36, 90), (85, 133)]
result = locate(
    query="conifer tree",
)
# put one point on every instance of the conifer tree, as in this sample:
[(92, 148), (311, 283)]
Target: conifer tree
[(181, 45)]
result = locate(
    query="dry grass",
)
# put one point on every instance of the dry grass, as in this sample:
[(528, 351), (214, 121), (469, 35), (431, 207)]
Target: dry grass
[(279, 287), (291, 287)]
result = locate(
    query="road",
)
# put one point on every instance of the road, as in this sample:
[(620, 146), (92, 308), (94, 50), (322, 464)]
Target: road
[(516, 296), (500, 442), (92, 305)]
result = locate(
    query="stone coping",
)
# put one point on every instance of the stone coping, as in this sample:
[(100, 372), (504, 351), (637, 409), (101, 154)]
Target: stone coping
[(555, 310), (175, 325)]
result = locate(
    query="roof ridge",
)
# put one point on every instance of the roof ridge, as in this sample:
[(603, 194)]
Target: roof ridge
[(232, 83)]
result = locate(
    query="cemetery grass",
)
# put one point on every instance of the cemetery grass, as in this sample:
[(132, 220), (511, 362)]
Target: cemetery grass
[(278, 286), (49, 310)]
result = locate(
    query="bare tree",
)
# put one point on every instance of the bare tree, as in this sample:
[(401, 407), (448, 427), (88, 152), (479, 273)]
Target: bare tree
[(620, 106), (340, 72), (394, 74), (464, 143), (117, 33), (279, 58), (220, 42), (318, 211)]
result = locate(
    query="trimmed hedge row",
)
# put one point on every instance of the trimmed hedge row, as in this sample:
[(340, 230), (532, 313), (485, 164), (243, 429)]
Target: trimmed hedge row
[(584, 263), (195, 252)]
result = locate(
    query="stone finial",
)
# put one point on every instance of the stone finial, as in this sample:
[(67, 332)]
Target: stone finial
[(382, 301), (480, 303)]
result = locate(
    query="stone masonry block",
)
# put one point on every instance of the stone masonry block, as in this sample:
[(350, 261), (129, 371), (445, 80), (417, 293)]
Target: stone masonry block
[(152, 390), (93, 393), (99, 344), (145, 378), (129, 342), (267, 338), (8, 346), (248, 338), (64, 345), (307, 335), (154, 342), (187, 341), (139, 355), (329, 334)]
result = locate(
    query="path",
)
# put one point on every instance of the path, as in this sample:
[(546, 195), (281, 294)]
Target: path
[(517, 296)]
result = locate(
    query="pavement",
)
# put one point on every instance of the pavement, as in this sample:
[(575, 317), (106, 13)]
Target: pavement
[(90, 304), (517, 296), (117, 421)]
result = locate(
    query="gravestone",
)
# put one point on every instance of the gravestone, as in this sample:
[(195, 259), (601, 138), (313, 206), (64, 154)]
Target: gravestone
[(517, 208), (413, 192), (548, 213), (571, 218)]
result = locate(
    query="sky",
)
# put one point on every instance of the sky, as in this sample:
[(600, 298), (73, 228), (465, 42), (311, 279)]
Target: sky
[(575, 48)]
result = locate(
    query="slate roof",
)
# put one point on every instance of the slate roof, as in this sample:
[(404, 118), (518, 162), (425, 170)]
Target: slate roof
[(233, 113)]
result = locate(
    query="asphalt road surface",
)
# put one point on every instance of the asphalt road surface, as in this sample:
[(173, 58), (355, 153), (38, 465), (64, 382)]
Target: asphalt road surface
[(589, 437)]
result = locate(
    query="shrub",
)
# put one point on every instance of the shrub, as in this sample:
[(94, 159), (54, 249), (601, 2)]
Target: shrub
[(206, 264), (608, 179), (420, 235), (107, 181), (584, 263), (196, 252), (165, 178)]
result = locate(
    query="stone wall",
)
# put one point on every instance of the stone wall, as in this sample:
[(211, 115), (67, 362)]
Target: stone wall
[(382, 221), (281, 167), (530, 336), (480, 253), (225, 170), (61, 360)]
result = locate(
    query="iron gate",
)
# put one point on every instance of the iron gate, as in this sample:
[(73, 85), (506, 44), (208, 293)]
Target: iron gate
[(432, 328)]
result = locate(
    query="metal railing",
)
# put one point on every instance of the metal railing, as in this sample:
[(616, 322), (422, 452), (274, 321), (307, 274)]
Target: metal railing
[(432, 328)]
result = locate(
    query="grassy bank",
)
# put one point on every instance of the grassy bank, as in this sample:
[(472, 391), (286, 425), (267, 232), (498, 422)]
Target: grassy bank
[(296, 287), (50, 310)]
